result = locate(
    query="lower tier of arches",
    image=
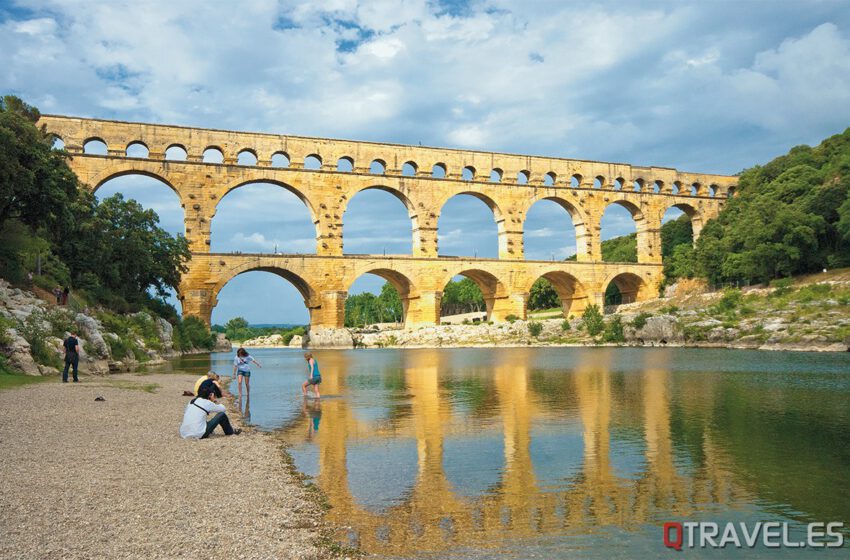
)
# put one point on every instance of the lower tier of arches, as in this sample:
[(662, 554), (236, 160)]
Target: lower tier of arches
[(323, 282)]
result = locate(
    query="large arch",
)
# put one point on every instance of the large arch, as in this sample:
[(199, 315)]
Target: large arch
[(571, 292), (399, 281), (449, 236), (692, 213), (615, 224), (630, 286), (492, 289), (578, 246), (301, 285), (272, 209), (399, 196)]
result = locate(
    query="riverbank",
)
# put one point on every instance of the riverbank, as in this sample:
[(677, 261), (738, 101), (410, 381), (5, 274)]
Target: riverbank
[(113, 479), (32, 329), (812, 314)]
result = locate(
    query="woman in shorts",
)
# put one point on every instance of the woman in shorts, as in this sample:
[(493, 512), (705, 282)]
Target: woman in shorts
[(314, 376), (242, 370)]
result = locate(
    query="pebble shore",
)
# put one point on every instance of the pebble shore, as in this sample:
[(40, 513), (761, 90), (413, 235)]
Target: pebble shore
[(113, 479)]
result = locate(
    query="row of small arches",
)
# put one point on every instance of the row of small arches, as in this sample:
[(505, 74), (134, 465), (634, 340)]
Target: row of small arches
[(345, 164)]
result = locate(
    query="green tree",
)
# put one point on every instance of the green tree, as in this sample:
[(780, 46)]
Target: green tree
[(390, 304), (791, 216), (543, 295), (592, 320), (36, 185), (118, 246)]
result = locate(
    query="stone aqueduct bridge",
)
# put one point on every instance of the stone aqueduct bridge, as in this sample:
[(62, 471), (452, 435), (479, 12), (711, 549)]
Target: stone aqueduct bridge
[(423, 179)]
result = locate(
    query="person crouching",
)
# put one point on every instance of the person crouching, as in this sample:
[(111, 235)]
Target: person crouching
[(195, 424)]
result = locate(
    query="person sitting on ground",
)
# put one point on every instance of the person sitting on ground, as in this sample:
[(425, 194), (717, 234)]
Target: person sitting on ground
[(195, 424), (211, 381)]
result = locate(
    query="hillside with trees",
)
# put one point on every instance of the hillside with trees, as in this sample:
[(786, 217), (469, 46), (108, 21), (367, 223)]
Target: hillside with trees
[(111, 254)]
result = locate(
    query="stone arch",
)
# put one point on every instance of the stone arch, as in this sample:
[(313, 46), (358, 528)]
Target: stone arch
[(247, 156), (409, 169), (212, 154), (693, 213), (301, 196), (496, 175), (402, 283), (439, 170), (133, 150), (573, 294), (576, 216), (309, 294), (640, 227), (93, 143), (131, 168), (549, 179), (402, 197), (280, 159), (378, 167), (631, 287), (498, 217), (468, 173), (313, 162), (345, 164), (492, 289), (182, 156), (524, 176)]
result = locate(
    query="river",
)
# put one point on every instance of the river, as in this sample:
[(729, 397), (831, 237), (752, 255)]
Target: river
[(560, 452)]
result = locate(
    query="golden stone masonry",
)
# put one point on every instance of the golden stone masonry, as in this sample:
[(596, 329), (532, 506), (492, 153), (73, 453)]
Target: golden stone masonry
[(424, 179)]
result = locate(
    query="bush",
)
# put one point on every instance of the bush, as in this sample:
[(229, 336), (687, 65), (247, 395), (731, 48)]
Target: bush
[(730, 300), (592, 320), (5, 324), (511, 318), (813, 292), (32, 329), (614, 330), (565, 325), (191, 333), (639, 322), (118, 347), (669, 310), (535, 328)]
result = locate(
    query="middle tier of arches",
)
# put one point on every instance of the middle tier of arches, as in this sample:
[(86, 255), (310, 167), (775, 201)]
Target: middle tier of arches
[(326, 196)]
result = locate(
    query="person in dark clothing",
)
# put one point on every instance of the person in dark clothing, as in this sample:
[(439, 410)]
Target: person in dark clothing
[(210, 386), (72, 356), (65, 293), (58, 293)]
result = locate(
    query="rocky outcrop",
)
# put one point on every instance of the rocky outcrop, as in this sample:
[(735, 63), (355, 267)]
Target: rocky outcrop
[(323, 337), (267, 341), (222, 344), (296, 341), (657, 330), (32, 318), (17, 352)]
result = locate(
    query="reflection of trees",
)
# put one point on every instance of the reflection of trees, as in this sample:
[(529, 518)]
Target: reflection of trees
[(433, 517)]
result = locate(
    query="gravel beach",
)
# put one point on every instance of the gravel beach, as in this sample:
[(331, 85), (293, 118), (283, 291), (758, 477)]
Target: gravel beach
[(113, 479)]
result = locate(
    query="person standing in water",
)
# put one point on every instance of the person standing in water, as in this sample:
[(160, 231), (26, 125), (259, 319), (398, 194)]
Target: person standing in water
[(314, 377), (242, 370)]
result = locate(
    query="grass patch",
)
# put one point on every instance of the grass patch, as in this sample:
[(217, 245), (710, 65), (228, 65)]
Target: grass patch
[(10, 380), (126, 384)]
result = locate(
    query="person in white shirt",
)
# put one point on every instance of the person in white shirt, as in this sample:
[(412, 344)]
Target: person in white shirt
[(195, 424)]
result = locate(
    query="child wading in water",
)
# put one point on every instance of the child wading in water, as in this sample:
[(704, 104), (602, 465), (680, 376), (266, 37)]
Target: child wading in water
[(314, 377), (242, 370)]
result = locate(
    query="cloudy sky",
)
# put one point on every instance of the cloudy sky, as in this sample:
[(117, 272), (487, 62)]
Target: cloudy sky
[(700, 86)]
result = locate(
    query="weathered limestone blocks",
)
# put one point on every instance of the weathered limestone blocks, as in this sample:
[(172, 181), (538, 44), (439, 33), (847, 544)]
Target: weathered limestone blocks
[(324, 337)]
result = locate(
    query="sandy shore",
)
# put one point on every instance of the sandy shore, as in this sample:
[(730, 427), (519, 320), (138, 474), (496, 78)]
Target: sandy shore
[(113, 479)]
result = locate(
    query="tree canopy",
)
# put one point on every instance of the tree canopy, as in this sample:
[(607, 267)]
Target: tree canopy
[(113, 249), (791, 216)]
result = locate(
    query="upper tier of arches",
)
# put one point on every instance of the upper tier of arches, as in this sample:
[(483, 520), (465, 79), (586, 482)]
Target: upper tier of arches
[(268, 150)]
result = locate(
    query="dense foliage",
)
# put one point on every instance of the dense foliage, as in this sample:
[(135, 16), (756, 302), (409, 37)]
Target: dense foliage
[(462, 296), (367, 308), (791, 216), (111, 252)]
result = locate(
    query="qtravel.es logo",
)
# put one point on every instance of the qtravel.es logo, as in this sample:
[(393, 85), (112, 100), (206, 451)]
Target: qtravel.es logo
[(770, 534)]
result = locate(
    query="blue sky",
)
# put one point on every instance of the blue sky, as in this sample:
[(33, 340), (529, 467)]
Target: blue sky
[(700, 86)]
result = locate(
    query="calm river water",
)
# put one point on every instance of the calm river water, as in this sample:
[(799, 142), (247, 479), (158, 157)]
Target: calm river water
[(561, 453)]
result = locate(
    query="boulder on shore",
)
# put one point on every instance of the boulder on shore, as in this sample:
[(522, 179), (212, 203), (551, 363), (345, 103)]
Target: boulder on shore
[(324, 337), (660, 329), (297, 341), (18, 353), (222, 344)]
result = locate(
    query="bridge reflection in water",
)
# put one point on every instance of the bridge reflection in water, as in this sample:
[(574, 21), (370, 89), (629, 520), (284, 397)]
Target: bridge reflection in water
[(602, 440)]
